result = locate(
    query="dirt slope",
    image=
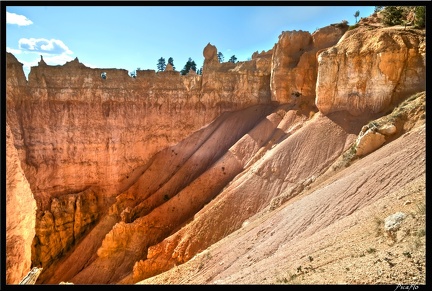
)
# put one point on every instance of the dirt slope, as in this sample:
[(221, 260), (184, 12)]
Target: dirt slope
[(333, 233), (280, 192), (329, 236)]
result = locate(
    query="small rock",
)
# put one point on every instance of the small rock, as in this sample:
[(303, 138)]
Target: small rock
[(392, 222)]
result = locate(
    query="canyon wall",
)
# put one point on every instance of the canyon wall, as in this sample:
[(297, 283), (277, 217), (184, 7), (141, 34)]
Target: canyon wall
[(77, 133), (75, 129), (20, 216), (370, 70), (294, 63), (108, 158)]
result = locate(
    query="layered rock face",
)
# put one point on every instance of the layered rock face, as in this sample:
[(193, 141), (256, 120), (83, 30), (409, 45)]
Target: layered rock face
[(20, 216), (77, 132), (108, 127), (134, 175), (294, 63), (370, 70), (275, 164), (228, 86)]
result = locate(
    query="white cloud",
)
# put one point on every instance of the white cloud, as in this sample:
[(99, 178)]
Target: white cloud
[(54, 52), (21, 20), (13, 51), (42, 45)]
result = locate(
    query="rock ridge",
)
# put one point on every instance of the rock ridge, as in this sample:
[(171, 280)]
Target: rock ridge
[(130, 172)]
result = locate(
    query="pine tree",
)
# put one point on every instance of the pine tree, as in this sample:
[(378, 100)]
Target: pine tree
[(356, 15), (190, 64), (392, 15), (171, 61), (220, 57), (232, 59), (161, 65), (420, 16)]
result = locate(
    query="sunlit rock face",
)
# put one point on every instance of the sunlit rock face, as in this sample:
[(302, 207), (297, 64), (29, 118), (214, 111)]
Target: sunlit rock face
[(83, 139), (294, 63), (227, 85), (370, 70), (132, 176), (76, 129), (20, 216)]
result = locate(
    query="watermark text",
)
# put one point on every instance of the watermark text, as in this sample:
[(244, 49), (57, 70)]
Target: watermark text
[(406, 287)]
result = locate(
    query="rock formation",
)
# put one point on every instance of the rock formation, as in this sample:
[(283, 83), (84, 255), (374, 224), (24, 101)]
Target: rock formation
[(294, 64), (20, 216), (133, 176), (370, 70)]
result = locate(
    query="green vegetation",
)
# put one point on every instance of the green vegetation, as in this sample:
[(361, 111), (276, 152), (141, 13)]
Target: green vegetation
[(357, 14), (406, 106), (171, 62), (295, 277), (161, 65), (420, 16), (233, 59), (403, 15), (220, 57), (190, 64), (420, 232), (349, 155), (392, 15), (291, 279)]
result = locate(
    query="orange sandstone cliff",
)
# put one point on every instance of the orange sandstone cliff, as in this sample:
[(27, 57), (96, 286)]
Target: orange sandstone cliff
[(117, 180)]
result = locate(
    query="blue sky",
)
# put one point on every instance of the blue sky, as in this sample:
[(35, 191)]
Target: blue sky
[(131, 37)]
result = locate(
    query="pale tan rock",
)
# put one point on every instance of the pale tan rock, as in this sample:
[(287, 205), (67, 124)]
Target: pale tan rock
[(169, 67), (20, 216), (210, 55), (387, 129), (31, 277), (369, 142), (294, 64), (69, 218), (375, 69)]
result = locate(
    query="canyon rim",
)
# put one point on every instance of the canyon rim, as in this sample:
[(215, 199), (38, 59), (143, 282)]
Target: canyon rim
[(284, 169)]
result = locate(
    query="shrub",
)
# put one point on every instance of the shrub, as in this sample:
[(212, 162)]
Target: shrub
[(420, 16), (392, 15)]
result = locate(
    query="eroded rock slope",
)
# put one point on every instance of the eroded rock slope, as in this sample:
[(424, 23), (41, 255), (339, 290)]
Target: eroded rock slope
[(133, 177)]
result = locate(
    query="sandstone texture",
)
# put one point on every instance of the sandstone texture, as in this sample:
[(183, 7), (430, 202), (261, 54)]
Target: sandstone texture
[(370, 70), (20, 216), (294, 63), (286, 160)]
